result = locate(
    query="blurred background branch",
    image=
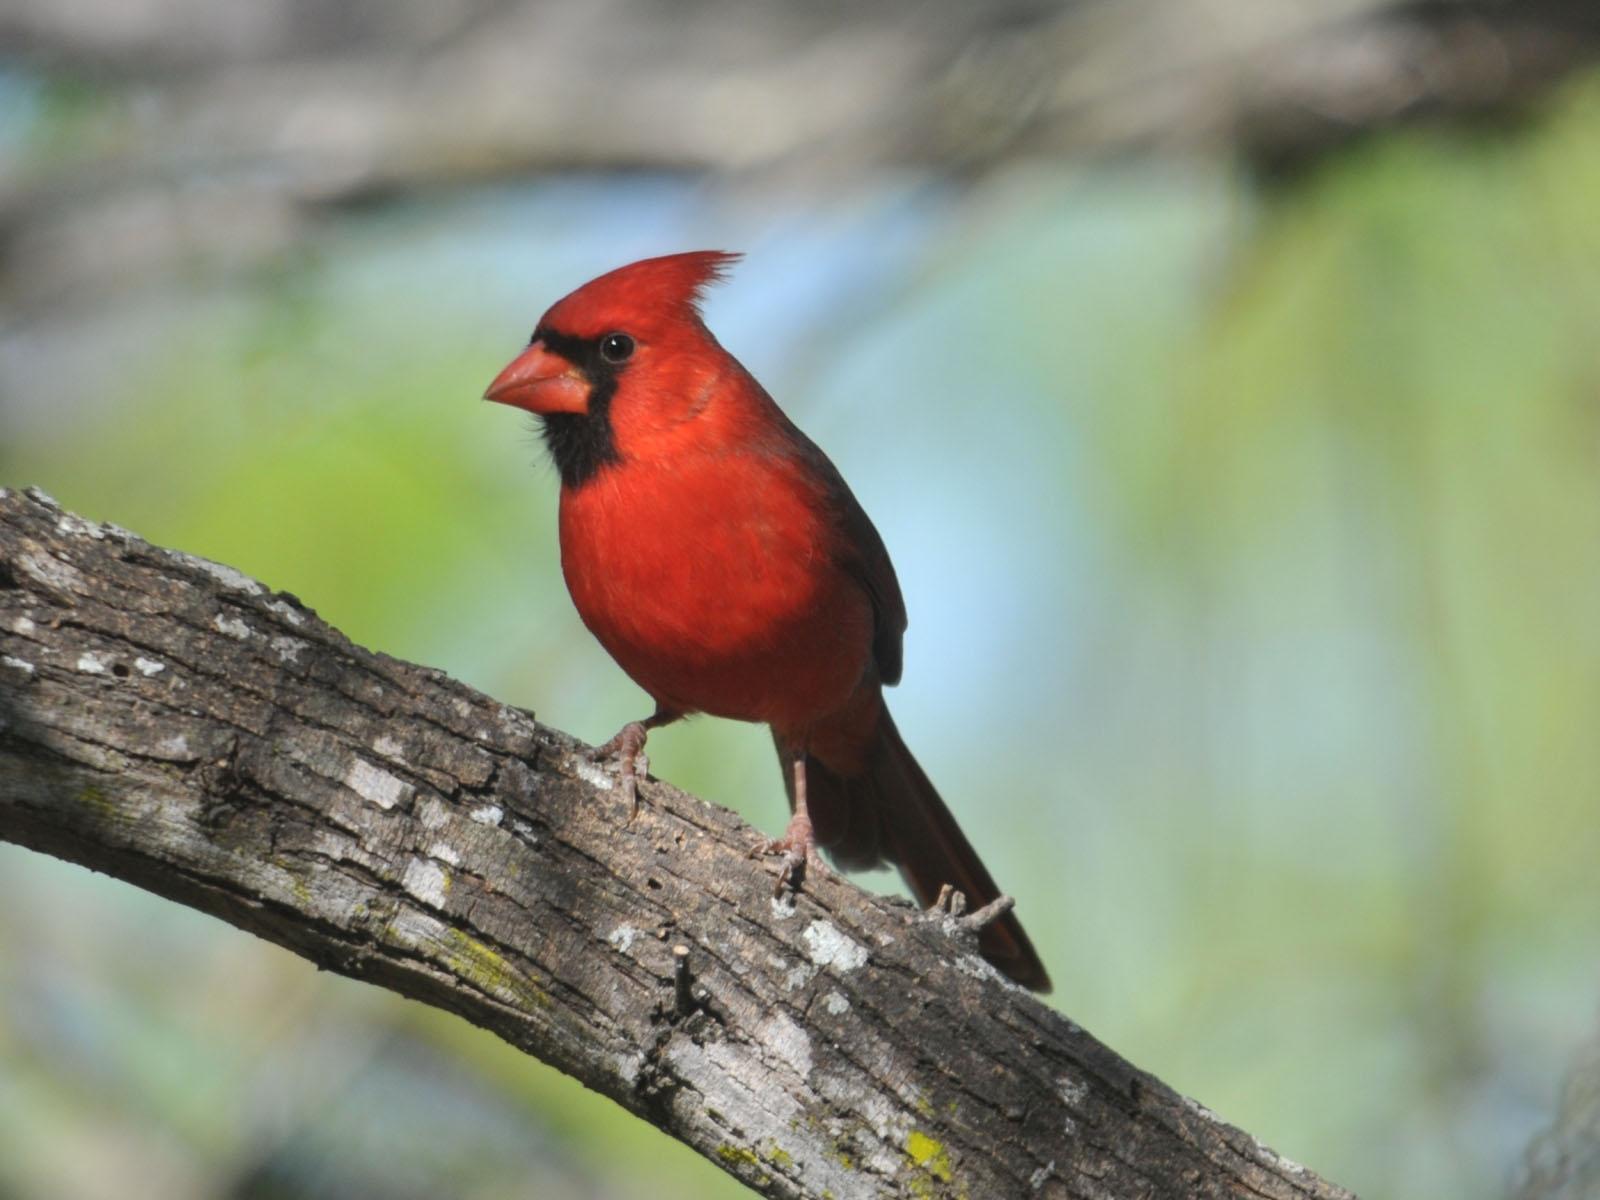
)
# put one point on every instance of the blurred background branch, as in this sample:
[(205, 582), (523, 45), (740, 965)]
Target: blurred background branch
[(217, 131), (1563, 1163)]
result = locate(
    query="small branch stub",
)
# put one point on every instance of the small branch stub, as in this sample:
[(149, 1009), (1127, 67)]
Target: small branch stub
[(683, 1002), (991, 912)]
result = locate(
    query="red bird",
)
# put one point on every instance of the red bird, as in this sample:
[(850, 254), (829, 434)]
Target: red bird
[(720, 558)]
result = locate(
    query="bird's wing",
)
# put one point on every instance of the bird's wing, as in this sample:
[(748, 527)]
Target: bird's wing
[(864, 557), (868, 561)]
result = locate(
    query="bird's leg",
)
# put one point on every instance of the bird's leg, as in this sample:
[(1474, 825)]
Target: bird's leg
[(799, 840), (627, 747)]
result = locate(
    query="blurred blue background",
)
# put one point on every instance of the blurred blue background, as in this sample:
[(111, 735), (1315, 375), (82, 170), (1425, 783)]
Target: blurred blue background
[(1244, 493)]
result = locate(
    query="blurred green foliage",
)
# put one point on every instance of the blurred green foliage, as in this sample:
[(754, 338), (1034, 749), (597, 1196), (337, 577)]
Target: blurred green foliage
[(1251, 538)]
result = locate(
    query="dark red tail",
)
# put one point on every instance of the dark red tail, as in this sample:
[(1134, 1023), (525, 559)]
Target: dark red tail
[(890, 812)]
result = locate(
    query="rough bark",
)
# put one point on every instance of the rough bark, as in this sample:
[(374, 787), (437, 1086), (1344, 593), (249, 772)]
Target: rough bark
[(171, 722)]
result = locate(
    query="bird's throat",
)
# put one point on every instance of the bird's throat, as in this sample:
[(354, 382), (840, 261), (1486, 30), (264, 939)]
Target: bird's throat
[(582, 444)]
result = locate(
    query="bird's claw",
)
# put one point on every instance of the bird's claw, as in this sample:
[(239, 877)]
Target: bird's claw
[(626, 750), (797, 867), (801, 858)]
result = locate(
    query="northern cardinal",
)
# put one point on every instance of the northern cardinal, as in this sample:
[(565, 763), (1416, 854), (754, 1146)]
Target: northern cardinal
[(720, 558)]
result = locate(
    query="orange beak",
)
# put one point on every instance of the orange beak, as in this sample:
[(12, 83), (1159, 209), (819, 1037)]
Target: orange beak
[(541, 382)]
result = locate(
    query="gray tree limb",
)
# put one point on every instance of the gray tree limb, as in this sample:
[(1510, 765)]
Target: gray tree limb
[(173, 723)]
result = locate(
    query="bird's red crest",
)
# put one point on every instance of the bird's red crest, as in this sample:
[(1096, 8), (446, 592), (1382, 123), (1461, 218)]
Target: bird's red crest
[(672, 284)]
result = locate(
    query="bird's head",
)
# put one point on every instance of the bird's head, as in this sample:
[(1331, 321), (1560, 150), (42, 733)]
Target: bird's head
[(626, 349)]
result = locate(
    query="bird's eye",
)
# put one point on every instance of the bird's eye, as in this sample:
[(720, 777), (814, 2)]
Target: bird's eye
[(616, 347)]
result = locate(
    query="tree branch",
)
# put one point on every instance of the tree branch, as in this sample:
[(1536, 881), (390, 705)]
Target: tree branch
[(175, 724)]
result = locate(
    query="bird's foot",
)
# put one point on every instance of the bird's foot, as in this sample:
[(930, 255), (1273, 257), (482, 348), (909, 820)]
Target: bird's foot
[(801, 857), (626, 750)]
